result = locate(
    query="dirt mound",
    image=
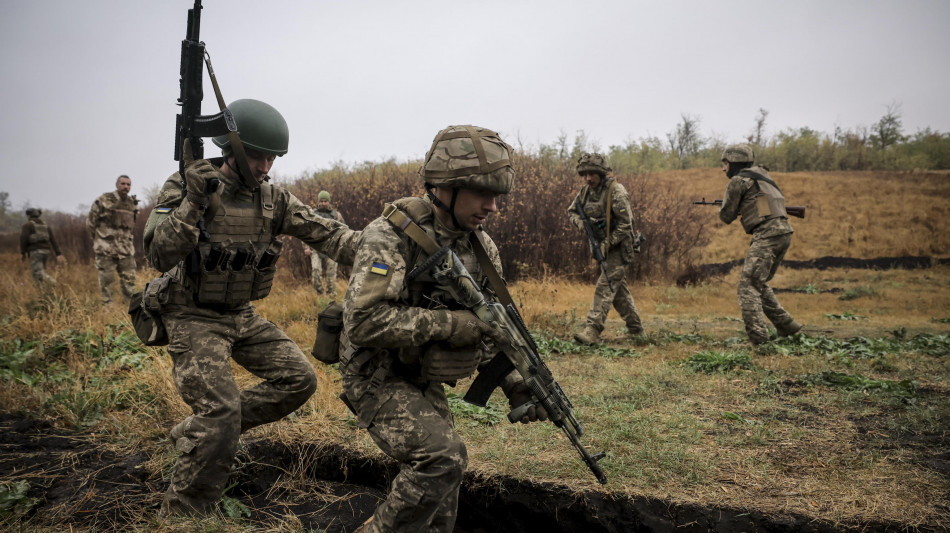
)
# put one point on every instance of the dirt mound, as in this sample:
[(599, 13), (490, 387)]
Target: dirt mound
[(332, 489), (698, 273)]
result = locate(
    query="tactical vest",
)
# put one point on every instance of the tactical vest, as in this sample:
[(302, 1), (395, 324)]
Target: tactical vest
[(120, 213), (598, 211), (325, 214), (766, 203), (40, 232), (237, 264)]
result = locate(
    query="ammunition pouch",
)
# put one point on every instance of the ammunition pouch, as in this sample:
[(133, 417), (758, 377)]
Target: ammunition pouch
[(233, 276), (40, 234), (443, 363), (145, 311), (326, 346)]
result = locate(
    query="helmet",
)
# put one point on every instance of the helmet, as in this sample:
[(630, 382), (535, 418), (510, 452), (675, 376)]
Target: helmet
[(469, 157), (738, 153), (260, 126), (324, 195), (593, 163), (33, 212)]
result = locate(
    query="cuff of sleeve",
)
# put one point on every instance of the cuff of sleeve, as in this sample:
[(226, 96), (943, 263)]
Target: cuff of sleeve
[(190, 214), (443, 322), (512, 380)]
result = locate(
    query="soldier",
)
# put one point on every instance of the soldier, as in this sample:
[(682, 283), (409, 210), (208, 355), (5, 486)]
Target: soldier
[(110, 221), (217, 248), (402, 339), (37, 242), (753, 196), (320, 263), (607, 206)]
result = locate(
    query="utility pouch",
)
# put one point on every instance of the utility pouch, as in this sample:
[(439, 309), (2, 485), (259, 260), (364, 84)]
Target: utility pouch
[(145, 311), (326, 347), (443, 363)]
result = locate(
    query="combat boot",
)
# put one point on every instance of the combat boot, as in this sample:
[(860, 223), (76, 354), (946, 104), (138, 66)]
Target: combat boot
[(588, 336), (634, 331), (791, 328)]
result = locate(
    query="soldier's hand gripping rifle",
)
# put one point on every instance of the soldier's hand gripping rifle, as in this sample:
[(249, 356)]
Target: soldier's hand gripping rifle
[(594, 243), (793, 210), (518, 351)]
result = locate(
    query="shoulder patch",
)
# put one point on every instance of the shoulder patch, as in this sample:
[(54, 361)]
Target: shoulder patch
[(163, 210), (379, 268)]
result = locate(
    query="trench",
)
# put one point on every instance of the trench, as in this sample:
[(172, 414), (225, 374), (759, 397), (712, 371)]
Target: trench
[(503, 504)]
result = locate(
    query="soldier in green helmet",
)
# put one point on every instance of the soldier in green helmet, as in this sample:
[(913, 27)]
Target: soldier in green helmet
[(607, 206), (754, 197), (217, 248), (404, 337), (38, 244), (323, 269)]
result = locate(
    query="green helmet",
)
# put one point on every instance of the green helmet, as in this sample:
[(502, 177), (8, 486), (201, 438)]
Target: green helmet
[(469, 157), (738, 153), (324, 195), (590, 162), (260, 126)]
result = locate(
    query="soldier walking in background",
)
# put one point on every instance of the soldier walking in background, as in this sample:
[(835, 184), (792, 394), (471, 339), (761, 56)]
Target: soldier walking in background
[(323, 268), (606, 205), (38, 243), (111, 221), (217, 248), (754, 197), (403, 336)]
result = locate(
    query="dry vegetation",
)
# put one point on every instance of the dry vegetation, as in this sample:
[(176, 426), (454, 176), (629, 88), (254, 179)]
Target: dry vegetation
[(761, 432)]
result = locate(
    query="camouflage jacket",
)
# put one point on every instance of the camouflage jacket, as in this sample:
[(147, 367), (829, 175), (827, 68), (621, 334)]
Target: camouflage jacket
[(111, 221), (331, 214), (171, 232), (594, 202), (740, 197), (36, 235)]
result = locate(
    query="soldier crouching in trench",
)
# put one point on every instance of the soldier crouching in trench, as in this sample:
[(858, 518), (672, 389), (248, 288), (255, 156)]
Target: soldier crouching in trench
[(211, 282)]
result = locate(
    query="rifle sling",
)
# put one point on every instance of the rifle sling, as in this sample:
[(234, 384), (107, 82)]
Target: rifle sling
[(417, 234)]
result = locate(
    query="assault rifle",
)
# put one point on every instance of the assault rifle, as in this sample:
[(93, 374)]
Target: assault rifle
[(594, 243), (518, 351), (793, 210)]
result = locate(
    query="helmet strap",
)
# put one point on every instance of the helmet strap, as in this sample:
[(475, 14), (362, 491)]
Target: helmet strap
[(450, 209)]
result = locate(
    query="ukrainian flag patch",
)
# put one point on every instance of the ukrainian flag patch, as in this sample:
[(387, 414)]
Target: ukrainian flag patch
[(379, 268), (163, 210)]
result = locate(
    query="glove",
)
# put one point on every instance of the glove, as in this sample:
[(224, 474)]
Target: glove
[(467, 330), (199, 176), (603, 248), (520, 395)]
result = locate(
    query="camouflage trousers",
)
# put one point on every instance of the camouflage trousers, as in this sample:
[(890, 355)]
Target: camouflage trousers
[(323, 269), (755, 296), (202, 343), (413, 425), (620, 298), (108, 265), (38, 267)]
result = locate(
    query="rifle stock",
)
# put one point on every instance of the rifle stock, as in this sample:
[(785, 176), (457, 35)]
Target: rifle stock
[(517, 351)]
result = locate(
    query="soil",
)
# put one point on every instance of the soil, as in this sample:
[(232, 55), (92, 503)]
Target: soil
[(79, 484), (701, 272)]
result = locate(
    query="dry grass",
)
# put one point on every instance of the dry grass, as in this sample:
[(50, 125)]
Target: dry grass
[(832, 455)]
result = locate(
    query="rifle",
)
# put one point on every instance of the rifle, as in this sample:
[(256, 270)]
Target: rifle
[(594, 243), (793, 210), (518, 351)]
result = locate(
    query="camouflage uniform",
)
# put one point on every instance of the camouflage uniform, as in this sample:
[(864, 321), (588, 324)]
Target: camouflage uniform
[(203, 337), (110, 221), (771, 237), (391, 326), (619, 254), (324, 268), (37, 242)]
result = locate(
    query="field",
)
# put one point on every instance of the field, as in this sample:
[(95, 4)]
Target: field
[(844, 427)]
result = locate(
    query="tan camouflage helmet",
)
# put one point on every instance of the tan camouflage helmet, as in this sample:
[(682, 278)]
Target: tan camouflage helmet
[(738, 153), (469, 157), (591, 162)]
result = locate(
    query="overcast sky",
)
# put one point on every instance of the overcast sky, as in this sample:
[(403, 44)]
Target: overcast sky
[(89, 86)]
